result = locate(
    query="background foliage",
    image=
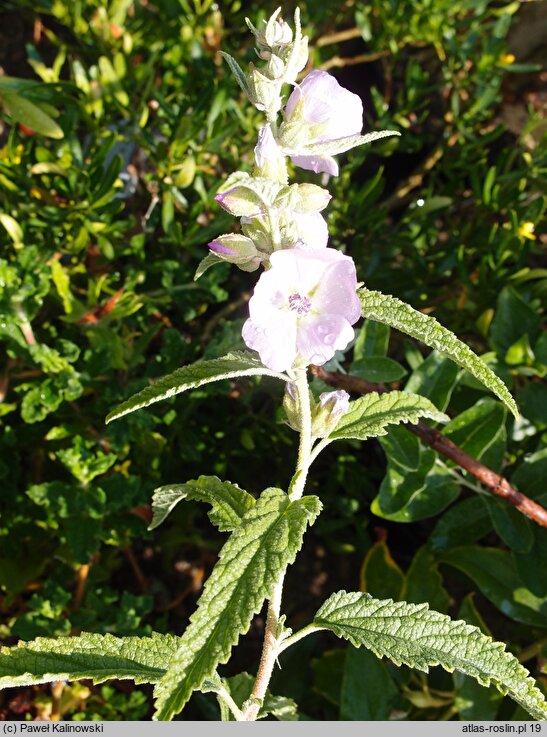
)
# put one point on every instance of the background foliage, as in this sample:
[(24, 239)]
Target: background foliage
[(109, 163)]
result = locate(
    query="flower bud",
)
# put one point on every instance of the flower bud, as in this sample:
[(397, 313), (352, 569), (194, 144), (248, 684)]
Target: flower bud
[(291, 405), (328, 411), (239, 201), (264, 91), (275, 68), (270, 160), (310, 198), (237, 249)]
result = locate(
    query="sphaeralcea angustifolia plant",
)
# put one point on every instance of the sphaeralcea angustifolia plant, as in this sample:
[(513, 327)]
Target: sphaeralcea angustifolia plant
[(303, 309)]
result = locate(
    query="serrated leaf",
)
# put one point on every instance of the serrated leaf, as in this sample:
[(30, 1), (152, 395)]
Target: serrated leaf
[(368, 416), (397, 314), (229, 502), (340, 145), (230, 366), (237, 71), (414, 635), (26, 112), (99, 657), (250, 564)]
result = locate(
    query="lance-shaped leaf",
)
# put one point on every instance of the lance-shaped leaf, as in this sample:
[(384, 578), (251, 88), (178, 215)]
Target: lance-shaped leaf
[(250, 564), (237, 71), (99, 657), (368, 416), (229, 502), (339, 145), (230, 366), (34, 117), (391, 311), (418, 637), (205, 264)]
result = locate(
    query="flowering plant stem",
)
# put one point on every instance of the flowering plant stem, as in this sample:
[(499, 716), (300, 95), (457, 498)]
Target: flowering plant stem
[(272, 640)]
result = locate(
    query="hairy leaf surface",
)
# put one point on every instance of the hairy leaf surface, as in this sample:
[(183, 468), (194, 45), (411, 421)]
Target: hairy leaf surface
[(230, 366), (250, 564), (229, 502), (99, 657), (391, 311), (340, 145), (369, 415), (413, 635)]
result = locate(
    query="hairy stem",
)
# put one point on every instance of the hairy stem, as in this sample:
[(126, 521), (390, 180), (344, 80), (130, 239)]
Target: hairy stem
[(269, 655), (272, 645), (304, 451)]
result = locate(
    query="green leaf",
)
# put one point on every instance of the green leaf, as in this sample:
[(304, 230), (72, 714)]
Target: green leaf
[(378, 369), (496, 575), (513, 319), (419, 637), (480, 432), (13, 228), (416, 484), (473, 701), (391, 311), (464, 523), (340, 145), (26, 112), (368, 416), (529, 478), (380, 574), (210, 260), (372, 340), (240, 688), (368, 692), (435, 378), (190, 377), (229, 502), (237, 71), (250, 564), (99, 657), (425, 583)]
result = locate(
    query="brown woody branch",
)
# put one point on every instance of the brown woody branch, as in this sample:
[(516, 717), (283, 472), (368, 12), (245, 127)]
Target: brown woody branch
[(498, 485)]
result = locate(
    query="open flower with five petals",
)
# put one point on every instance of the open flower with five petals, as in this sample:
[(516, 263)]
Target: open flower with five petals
[(303, 308)]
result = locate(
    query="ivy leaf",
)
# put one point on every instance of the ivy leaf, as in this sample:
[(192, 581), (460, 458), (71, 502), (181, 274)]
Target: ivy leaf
[(413, 635), (339, 145), (240, 363), (229, 502), (250, 564), (368, 416), (99, 657), (391, 311)]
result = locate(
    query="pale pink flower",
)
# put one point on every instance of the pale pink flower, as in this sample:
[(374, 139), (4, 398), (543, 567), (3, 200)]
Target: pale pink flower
[(269, 158), (326, 111), (313, 231), (303, 308)]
